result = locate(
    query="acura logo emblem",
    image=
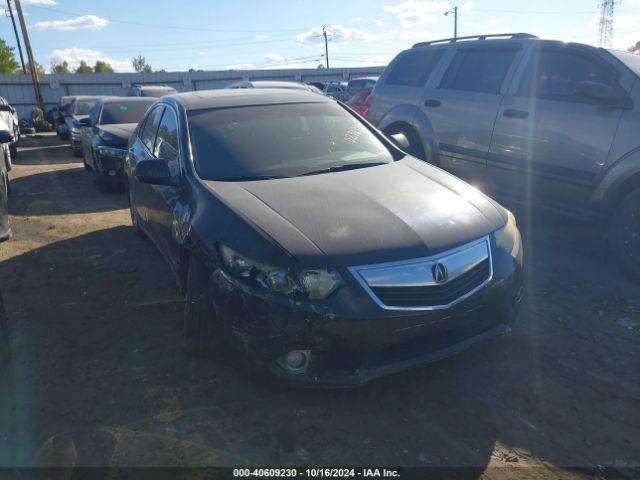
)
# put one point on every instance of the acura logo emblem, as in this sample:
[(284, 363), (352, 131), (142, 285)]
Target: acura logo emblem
[(439, 272)]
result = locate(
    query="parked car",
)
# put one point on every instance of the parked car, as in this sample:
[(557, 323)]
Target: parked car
[(10, 117), (6, 137), (355, 85), (359, 101), (154, 91), (540, 121), (271, 84), (79, 109), (311, 243), (105, 135), (59, 120), (319, 85), (336, 90)]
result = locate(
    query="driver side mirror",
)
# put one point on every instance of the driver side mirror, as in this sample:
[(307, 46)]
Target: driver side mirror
[(400, 140), (6, 136), (154, 172), (602, 93)]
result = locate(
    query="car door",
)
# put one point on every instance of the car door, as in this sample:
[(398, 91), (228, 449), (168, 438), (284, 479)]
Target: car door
[(88, 132), (462, 104), (142, 149), (164, 200), (549, 144)]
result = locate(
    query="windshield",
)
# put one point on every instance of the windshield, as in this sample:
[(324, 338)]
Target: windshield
[(83, 107), (632, 61), (124, 112), (156, 91), (280, 140)]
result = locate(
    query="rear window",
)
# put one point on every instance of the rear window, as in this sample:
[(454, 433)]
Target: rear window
[(123, 112), (83, 107), (478, 70), (414, 67), (280, 140)]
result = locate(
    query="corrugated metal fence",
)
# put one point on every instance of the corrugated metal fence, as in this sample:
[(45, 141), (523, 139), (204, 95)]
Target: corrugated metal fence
[(18, 90)]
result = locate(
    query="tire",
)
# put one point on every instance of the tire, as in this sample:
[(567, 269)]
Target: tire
[(87, 167), (101, 182), (13, 148), (624, 234), (415, 144), (77, 153), (202, 334), (135, 221)]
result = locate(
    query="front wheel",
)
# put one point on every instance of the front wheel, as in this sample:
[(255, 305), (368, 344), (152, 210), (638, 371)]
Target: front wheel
[(202, 334), (415, 148), (624, 234)]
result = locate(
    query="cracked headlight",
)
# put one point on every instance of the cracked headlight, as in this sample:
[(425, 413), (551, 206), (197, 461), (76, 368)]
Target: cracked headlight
[(314, 284), (111, 152), (508, 237)]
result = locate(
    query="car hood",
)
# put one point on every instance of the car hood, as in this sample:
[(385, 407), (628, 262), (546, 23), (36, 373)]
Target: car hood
[(405, 209), (118, 134)]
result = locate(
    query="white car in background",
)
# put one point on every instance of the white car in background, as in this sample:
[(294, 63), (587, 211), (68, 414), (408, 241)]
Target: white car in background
[(10, 117)]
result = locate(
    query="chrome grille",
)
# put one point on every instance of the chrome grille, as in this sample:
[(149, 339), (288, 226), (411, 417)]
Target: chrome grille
[(410, 284)]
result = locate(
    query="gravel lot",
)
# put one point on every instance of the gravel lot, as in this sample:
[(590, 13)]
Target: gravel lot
[(98, 377)]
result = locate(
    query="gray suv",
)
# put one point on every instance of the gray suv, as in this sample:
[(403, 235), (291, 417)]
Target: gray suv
[(540, 121)]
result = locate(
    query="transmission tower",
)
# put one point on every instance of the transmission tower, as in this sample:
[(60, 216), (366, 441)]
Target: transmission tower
[(605, 29)]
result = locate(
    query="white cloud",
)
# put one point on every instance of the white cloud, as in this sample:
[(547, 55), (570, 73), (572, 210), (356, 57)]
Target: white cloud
[(357, 20), (202, 53), (465, 7), (240, 66), (413, 12), (74, 55), (39, 2), (378, 22), (91, 22), (273, 58), (262, 37), (338, 34)]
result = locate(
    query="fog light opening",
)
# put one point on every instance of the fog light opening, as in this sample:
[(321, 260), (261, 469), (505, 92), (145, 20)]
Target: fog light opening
[(112, 173), (296, 361)]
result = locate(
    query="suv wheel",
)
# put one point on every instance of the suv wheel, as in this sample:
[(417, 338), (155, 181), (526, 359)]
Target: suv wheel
[(202, 334), (624, 234)]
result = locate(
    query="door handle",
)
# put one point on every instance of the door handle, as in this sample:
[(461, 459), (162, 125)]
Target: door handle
[(513, 113), (431, 103)]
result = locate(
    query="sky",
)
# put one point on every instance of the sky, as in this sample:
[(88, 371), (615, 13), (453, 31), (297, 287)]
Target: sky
[(251, 34)]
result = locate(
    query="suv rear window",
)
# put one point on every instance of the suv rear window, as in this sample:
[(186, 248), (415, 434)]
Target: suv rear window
[(414, 67), (478, 70)]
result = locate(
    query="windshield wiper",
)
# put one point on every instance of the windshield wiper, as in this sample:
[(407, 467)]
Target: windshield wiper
[(247, 178), (344, 167)]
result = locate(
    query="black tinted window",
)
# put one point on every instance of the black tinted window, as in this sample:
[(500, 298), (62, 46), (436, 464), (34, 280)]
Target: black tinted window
[(167, 141), (123, 112), (83, 107), (280, 140), (478, 70), (148, 134), (554, 74), (414, 67)]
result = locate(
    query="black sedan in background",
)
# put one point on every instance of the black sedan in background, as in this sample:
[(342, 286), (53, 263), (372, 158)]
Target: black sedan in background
[(105, 136), (78, 111), (311, 243)]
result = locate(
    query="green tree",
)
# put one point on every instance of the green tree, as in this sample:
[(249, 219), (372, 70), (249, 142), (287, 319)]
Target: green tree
[(8, 62), (140, 64), (84, 67), (635, 48), (60, 68), (39, 69), (102, 67)]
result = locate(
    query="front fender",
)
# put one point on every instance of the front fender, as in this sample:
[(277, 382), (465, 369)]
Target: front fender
[(625, 169)]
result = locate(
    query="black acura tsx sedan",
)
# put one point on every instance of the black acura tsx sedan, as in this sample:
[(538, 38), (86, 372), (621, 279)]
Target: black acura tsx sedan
[(311, 243)]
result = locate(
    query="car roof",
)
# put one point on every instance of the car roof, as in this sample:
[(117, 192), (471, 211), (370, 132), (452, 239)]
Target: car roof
[(364, 78), (109, 100), (90, 97), (204, 99)]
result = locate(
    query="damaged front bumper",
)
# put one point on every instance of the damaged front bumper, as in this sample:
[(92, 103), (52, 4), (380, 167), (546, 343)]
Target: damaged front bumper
[(350, 340)]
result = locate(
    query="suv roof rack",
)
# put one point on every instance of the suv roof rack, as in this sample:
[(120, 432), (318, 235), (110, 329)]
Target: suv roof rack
[(476, 37)]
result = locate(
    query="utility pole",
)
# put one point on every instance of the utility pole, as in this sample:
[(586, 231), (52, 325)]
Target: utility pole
[(605, 26), (15, 30), (455, 20), (32, 63), (326, 44)]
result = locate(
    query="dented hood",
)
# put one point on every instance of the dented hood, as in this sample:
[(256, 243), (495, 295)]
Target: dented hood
[(405, 209)]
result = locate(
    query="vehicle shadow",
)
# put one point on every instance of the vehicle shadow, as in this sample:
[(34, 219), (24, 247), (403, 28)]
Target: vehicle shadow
[(59, 192), (96, 319)]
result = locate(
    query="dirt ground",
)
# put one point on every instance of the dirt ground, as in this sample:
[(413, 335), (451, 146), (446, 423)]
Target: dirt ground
[(98, 377)]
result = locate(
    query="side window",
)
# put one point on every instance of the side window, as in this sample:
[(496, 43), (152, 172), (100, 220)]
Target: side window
[(554, 74), (93, 114), (478, 70), (148, 133), (414, 67), (166, 146)]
